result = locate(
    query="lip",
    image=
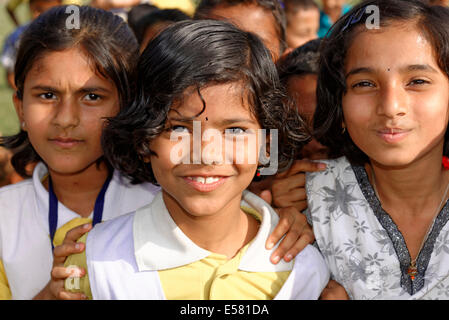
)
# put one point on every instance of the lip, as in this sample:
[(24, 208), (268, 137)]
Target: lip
[(65, 143), (392, 135), (202, 187)]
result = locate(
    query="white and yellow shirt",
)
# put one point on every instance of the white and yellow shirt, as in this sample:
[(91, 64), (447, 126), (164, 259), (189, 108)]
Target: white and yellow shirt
[(25, 248), (145, 255)]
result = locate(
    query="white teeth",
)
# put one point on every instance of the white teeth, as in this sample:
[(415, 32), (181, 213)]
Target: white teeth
[(200, 179), (211, 180), (203, 180)]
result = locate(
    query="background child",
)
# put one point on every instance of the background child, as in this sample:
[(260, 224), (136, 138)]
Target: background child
[(330, 12), (303, 21), (11, 45), (150, 25), (298, 71), (266, 18), (203, 235), (380, 213)]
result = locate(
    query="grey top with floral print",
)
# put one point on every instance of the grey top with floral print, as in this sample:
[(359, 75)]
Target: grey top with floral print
[(361, 244)]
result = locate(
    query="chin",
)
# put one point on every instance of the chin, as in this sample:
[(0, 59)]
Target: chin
[(396, 161), (200, 207)]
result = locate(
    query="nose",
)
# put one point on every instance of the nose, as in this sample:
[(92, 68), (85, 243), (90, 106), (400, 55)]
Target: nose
[(212, 146), (66, 114), (393, 102)]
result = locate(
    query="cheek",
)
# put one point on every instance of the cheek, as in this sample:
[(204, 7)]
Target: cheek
[(356, 112)]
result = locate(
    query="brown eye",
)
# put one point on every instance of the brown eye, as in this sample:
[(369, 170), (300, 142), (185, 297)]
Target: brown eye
[(92, 97), (47, 96)]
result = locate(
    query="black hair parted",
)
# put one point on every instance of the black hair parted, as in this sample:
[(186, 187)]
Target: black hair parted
[(104, 37), (195, 54), (274, 6), (432, 21)]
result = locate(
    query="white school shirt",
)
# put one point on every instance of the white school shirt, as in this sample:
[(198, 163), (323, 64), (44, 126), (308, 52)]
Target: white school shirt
[(363, 247), (124, 255), (25, 247)]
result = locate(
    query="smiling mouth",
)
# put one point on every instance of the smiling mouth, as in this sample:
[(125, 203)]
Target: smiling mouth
[(205, 184)]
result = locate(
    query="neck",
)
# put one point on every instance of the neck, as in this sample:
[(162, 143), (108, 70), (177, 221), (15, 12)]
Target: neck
[(413, 189), (224, 232), (78, 191)]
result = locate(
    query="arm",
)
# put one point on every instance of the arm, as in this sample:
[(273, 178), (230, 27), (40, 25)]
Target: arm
[(289, 196), (288, 188), (55, 287)]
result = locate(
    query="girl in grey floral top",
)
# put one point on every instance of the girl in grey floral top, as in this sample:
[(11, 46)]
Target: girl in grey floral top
[(379, 211)]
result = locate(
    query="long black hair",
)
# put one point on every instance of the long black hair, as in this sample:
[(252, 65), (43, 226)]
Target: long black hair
[(433, 21), (104, 37), (194, 54)]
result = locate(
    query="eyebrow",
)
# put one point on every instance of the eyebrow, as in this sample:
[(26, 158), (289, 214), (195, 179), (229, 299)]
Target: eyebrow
[(413, 67), (420, 67), (82, 90), (359, 70), (225, 122)]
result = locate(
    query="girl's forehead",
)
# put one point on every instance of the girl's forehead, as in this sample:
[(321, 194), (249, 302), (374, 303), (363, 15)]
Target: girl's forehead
[(217, 100), (67, 66), (391, 46)]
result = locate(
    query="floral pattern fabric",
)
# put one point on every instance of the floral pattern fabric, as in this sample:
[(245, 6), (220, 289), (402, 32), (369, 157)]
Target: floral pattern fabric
[(364, 249)]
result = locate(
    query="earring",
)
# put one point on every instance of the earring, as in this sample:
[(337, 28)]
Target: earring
[(23, 124), (343, 130), (257, 176)]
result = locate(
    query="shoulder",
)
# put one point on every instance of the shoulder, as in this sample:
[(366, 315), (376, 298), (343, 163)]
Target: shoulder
[(108, 236), (135, 191), (310, 260), (16, 195), (335, 169)]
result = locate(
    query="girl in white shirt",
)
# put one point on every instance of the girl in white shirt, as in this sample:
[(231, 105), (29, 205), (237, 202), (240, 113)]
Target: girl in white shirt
[(69, 81)]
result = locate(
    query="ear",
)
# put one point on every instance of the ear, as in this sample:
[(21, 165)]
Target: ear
[(18, 105)]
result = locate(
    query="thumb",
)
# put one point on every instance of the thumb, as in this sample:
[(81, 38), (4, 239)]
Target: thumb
[(266, 195)]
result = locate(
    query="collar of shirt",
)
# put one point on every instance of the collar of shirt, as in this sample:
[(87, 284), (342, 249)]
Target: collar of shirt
[(160, 244), (64, 213)]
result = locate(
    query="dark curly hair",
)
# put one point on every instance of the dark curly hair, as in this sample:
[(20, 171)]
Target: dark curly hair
[(195, 54), (432, 21), (104, 37), (205, 7)]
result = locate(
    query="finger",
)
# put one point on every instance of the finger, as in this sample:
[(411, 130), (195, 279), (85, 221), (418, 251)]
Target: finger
[(285, 222), (305, 238), (286, 243), (65, 295), (300, 205), (62, 273), (288, 199), (280, 186), (60, 253), (74, 234), (266, 195), (306, 166)]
